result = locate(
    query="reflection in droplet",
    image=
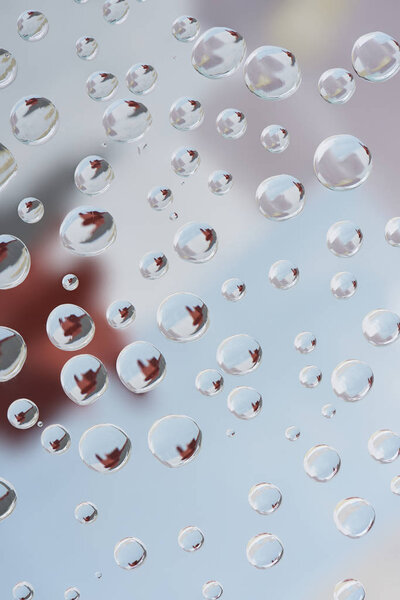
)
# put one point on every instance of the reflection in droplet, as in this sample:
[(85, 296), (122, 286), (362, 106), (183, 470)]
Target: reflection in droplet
[(70, 282), (23, 413), (153, 265), (265, 498), (185, 161), (209, 382), (30, 210), (160, 197), (120, 313), (231, 123), (272, 73), (343, 285), (34, 120), (88, 231), (328, 411), (354, 517), (305, 342), (15, 261), (126, 120), (352, 379), (321, 462), (174, 440), (8, 166), (310, 376), (381, 327), (182, 317), (130, 553), (342, 162), (23, 591), (344, 238), (376, 56), (220, 182), (349, 589), (280, 197), (264, 550), (8, 498), (292, 433), (55, 439), (392, 231), (233, 289), (86, 512), (275, 138), (105, 448), (190, 538), (212, 590), (186, 114), (185, 28), (32, 25), (336, 86), (101, 85), (218, 52), (283, 274), (140, 367), (69, 327), (141, 79), (239, 354), (84, 379), (12, 353), (93, 175), (115, 12), (244, 402), (86, 48), (196, 242), (384, 445)]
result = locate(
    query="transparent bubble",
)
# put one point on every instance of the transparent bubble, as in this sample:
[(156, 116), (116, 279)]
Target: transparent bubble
[(23, 591), (212, 590), (275, 138), (55, 439), (153, 265), (354, 517), (218, 52), (88, 231), (186, 114), (344, 238), (120, 313), (310, 376), (190, 539), (264, 550), (72, 593), (84, 379), (381, 327), (8, 68), (239, 354), (69, 327), (384, 445), (185, 28), (173, 216), (140, 367), (15, 261), (328, 411), (231, 123), (280, 197), (160, 197), (392, 231), (395, 485), (34, 120), (105, 448), (220, 182), (8, 499), (12, 353), (196, 242), (182, 317), (265, 498), (30, 210), (101, 86), (8, 166), (115, 11), (283, 274), (342, 162), (174, 440), (244, 402), (305, 342), (185, 161), (272, 73), (343, 285), (87, 48), (98, 575), (352, 379), (40, 424), (130, 553), (336, 86), (126, 120), (70, 282), (292, 433), (93, 175), (233, 289), (141, 79), (32, 25), (376, 56), (349, 589), (321, 462), (23, 413), (86, 512), (209, 382), (230, 433)]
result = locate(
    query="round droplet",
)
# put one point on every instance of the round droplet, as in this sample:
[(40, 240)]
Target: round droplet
[(280, 197), (153, 265), (376, 56), (384, 445), (392, 231), (292, 433), (126, 120), (305, 342), (212, 590), (185, 28), (173, 216), (141, 79), (182, 317), (30, 210), (98, 575), (130, 553), (93, 175), (87, 48), (233, 289), (70, 282), (275, 138), (23, 591), (239, 354), (55, 439), (352, 379), (32, 25), (354, 517), (283, 274), (349, 589), (34, 120), (8, 499), (244, 402), (220, 182), (84, 379), (265, 498), (381, 327), (344, 238), (190, 539), (185, 161), (264, 550), (115, 11), (101, 85), (140, 367), (272, 73), (69, 327), (342, 162), (12, 353), (328, 411), (120, 313), (230, 433), (336, 86), (310, 376), (218, 52), (86, 512), (105, 448), (8, 166), (174, 440), (209, 382), (395, 485), (196, 242), (15, 261), (23, 413), (8, 68), (160, 197), (231, 123), (343, 285), (88, 231), (321, 462), (186, 114), (72, 593)]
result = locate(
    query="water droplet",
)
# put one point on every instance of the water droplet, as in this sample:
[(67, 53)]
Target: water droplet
[(376, 56), (384, 445), (344, 238), (265, 498), (141, 79), (174, 440), (185, 161), (72, 593), (93, 175), (231, 123), (233, 289), (30, 210), (115, 12), (185, 28), (336, 86), (272, 73), (23, 591), (88, 231), (381, 327), (140, 367), (190, 539), (264, 550), (87, 48), (220, 182), (160, 197), (392, 231), (292, 433), (310, 376), (352, 379), (12, 353), (105, 448), (86, 512), (209, 382), (153, 265), (186, 114), (212, 590), (196, 242), (218, 52), (84, 379), (8, 499), (328, 411), (15, 261), (69, 327), (230, 433), (305, 342), (182, 317), (32, 25), (321, 462), (275, 138), (101, 86), (342, 162), (173, 216), (395, 485), (55, 439), (354, 517), (22, 413), (280, 197), (120, 313), (40, 424), (244, 402), (70, 282), (239, 354), (349, 589), (283, 274), (34, 120), (8, 166), (126, 120), (343, 285), (8, 68), (130, 553)]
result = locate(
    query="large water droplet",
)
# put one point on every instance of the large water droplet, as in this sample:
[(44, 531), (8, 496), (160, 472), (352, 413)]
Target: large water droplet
[(381, 327), (352, 379), (265, 498), (174, 440), (30, 210), (321, 462), (12, 353), (140, 367), (272, 73), (34, 120), (126, 120), (376, 56), (233, 289), (88, 231), (15, 261), (105, 448), (342, 162), (354, 517), (218, 52)]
